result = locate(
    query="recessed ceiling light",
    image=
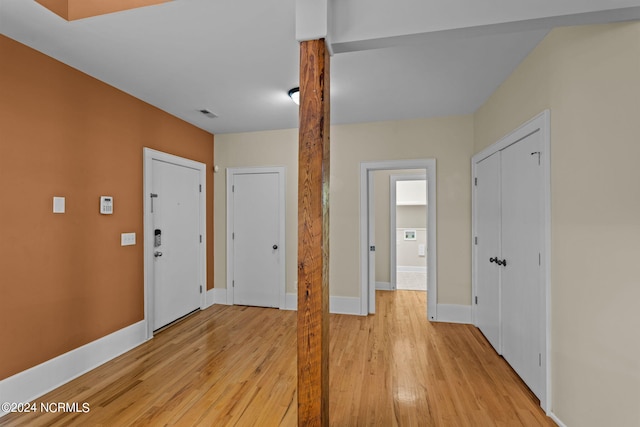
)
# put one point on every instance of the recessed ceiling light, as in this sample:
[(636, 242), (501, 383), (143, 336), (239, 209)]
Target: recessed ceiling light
[(208, 113)]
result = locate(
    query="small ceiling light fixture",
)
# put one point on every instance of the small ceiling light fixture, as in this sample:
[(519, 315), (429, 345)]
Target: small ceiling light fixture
[(294, 94), (208, 113)]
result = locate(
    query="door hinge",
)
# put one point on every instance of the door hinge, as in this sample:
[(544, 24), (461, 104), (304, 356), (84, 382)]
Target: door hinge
[(475, 181), (372, 248), (200, 187), (476, 239), (476, 299), (233, 236), (200, 288), (201, 238), (233, 283), (539, 359), (539, 259), (233, 188), (153, 196), (538, 153)]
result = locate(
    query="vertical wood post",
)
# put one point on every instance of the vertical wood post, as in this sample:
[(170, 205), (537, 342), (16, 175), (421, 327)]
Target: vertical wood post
[(313, 236)]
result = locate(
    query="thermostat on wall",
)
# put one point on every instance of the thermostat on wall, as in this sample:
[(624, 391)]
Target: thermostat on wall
[(106, 205)]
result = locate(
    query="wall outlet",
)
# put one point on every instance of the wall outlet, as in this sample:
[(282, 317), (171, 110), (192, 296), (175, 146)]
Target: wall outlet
[(127, 239)]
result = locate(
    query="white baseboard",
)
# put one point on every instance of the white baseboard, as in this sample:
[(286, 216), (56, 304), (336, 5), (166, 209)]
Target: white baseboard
[(337, 305), (26, 386), (454, 313), (410, 269), (291, 301), (555, 419), (383, 286), (344, 305), (451, 313), (217, 296), (210, 298)]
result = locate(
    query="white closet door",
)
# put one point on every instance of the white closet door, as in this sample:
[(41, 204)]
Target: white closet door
[(488, 226), (256, 231), (521, 247)]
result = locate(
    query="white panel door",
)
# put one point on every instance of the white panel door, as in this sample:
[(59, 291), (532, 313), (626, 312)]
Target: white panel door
[(176, 220), (488, 248), (256, 233), (372, 243), (522, 231)]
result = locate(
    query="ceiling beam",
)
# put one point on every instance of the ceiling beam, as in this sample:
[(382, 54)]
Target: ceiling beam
[(360, 20), (378, 41)]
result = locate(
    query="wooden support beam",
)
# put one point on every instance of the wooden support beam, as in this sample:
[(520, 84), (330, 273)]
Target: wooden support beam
[(313, 236)]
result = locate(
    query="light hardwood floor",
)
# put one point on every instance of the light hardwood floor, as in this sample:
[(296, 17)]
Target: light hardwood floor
[(236, 366)]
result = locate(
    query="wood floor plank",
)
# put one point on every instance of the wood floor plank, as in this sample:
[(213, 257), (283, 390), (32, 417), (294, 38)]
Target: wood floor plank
[(236, 366)]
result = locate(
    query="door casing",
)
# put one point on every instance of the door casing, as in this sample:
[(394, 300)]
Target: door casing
[(367, 277), (540, 123), (280, 170), (149, 156)]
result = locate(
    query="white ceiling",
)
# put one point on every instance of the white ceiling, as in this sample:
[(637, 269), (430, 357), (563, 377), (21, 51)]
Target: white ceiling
[(239, 59)]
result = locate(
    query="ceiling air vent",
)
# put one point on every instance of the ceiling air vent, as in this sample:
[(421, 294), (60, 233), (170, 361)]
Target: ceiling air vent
[(208, 113)]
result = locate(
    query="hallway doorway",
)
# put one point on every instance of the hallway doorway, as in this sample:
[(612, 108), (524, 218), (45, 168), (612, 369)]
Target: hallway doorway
[(408, 228), (368, 222)]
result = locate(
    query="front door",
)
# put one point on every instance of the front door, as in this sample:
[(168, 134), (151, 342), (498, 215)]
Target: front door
[(257, 250), (176, 218)]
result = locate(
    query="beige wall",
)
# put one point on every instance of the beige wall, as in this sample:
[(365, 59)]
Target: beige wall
[(253, 149), (449, 140), (589, 78), (413, 216), (407, 250)]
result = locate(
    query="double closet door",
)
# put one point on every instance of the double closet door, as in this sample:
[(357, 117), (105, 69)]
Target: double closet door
[(509, 215)]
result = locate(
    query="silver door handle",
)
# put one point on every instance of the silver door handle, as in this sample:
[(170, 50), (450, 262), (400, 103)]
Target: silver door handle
[(157, 254)]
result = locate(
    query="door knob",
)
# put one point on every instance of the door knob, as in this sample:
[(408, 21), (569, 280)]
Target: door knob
[(493, 259), (275, 247), (502, 262), (157, 254)]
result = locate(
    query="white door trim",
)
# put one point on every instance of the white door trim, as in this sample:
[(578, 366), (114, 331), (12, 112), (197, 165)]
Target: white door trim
[(393, 268), (149, 280), (280, 170), (540, 123), (367, 295)]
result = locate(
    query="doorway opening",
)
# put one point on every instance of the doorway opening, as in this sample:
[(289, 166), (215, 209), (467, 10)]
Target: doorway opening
[(426, 168), (408, 227)]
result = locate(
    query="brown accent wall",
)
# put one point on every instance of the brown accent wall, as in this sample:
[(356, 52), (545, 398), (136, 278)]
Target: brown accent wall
[(79, 9), (64, 278)]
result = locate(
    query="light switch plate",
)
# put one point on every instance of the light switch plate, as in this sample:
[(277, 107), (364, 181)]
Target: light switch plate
[(127, 239), (58, 204)]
